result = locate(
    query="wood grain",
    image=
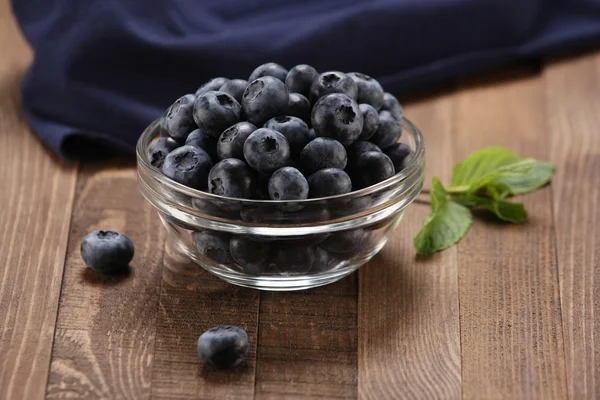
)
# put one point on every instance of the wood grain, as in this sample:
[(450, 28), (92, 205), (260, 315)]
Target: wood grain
[(191, 302), (36, 199), (307, 343), (511, 336), (573, 104), (106, 327), (409, 344)]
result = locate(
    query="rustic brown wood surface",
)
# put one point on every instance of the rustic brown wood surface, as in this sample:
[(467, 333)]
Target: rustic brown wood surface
[(509, 313)]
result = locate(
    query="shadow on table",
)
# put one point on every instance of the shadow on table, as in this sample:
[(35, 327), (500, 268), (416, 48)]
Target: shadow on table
[(103, 279)]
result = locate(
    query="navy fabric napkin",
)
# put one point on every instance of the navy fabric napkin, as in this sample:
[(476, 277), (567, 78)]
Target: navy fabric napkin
[(104, 69)]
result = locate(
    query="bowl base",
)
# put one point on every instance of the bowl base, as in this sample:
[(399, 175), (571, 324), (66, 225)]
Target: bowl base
[(284, 284)]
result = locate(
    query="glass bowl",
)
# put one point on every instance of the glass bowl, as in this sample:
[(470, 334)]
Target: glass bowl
[(281, 245)]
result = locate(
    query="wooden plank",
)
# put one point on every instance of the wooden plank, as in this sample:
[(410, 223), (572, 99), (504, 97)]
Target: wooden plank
[(106, 327), (511, 336), (307, 343), (573, 101), (191, 302), (36, 200), (409, 344)]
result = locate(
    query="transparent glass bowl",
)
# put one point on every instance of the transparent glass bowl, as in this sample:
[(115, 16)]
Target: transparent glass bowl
[(282, 245)]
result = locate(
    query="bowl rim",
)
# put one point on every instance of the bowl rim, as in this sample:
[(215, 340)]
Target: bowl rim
[(413, 166)]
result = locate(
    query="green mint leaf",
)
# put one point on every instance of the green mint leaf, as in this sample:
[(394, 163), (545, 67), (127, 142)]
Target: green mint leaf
[(446, 224), (481, 164), (503, 208), (515, 170), (538, 176)]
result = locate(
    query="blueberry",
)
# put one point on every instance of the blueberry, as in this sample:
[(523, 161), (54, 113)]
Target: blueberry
[(299, 106), (223, 346), (322, 261), (370, 121), (345, 241), (290, 259), (189, 166), (231, 178), (317, 213), (262, 215), (235, 88), (200, 138), (308, 241), (360, 147), (214, 245), (107, 251), (262, 186), (212, 85), (266, 150), (251, 255), (369, 90), (373, 167), (288, 183), (269, 69), (391, 104), (265, 98), (298, 214), (178, 121), (388, 132), (357, 149), (323, 153), (399, 154), (329, 182), (351, 207), (312, 134), (294, 129), (333, 82), (231, 142), (337, 116), (300, 79), (213, 208), (294, 162), (158, 151), (216, 111)]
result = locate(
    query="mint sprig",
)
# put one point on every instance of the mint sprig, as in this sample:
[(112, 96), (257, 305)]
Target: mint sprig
[(484, 180)]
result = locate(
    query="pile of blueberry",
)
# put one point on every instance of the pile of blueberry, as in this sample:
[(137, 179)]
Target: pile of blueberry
[(282, 135)]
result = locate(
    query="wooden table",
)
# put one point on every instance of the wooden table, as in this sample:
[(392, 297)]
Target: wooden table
[(511, 312)]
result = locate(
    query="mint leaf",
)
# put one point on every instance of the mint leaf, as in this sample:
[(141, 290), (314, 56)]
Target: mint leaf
[(515, 170), (508, 211), (503, 208), (481, 164), (446, 224), (485, 179), (538, 176)]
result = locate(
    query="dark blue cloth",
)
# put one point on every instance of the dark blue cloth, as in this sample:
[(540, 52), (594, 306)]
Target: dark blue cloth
[(104, 69)]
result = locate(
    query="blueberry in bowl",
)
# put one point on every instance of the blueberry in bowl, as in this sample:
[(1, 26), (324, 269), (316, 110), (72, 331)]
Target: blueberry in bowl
[(274, 197)]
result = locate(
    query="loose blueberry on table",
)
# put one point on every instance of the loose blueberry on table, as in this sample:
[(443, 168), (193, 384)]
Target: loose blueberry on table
[(283, 135), (107, 251), (223, 346)]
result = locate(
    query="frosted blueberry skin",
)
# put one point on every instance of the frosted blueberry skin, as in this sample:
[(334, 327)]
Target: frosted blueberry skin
[(337, 116), (223, 346), (107, 251)]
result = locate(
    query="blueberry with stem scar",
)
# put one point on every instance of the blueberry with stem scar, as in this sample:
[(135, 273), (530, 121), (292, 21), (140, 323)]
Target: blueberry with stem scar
[(107, 251)]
